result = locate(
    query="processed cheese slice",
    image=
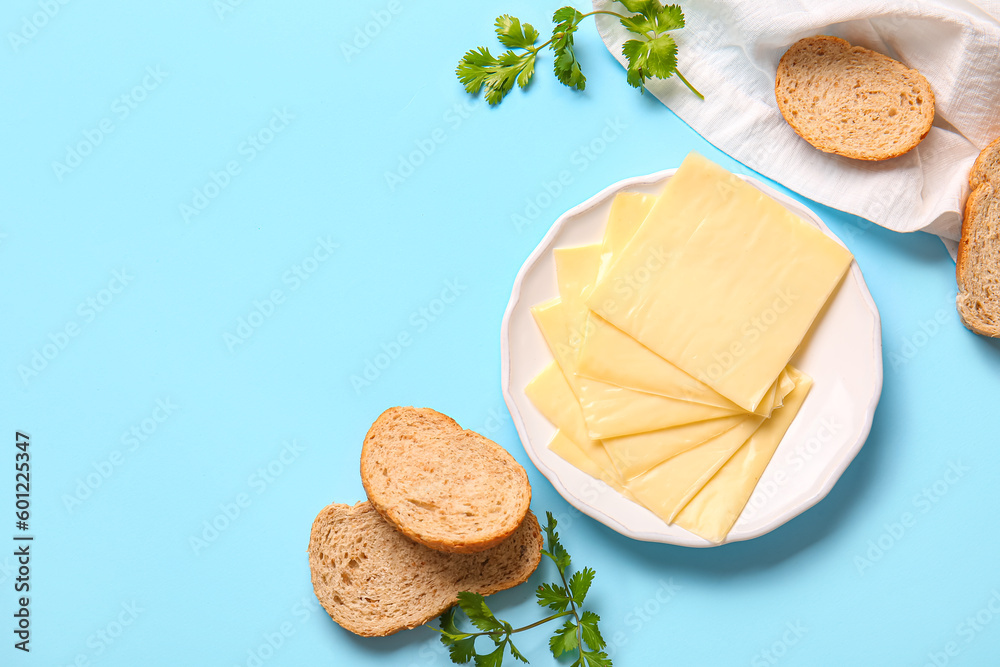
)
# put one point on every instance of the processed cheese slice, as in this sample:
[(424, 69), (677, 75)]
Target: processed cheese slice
[(712, 513), (571, 452), (668, 487), (633, 455), (550, 393), (608, 410), (576, 274), (721, 280), (611, 355), (628, 455), (601, 345), (772, 394), (785, 386), (628, 210)]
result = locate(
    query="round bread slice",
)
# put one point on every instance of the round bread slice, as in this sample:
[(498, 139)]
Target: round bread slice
[(852, 101), (978, 265), (374, 581), (444, 487)]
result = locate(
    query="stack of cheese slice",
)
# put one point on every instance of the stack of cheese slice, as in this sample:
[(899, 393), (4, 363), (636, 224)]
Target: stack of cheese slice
[(672, 340)]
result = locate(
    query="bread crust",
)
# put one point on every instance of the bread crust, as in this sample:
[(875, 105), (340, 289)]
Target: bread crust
[(987, 162), (984, 185), (788, 95), (391, 506), (360, 590)]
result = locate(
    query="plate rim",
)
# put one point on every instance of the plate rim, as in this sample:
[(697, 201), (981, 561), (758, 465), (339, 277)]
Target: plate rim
[(831, 479)]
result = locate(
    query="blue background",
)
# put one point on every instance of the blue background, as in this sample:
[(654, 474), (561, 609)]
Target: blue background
[(845, 583)]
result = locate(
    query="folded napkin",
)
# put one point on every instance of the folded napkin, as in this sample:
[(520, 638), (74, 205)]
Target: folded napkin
[(730, 50)]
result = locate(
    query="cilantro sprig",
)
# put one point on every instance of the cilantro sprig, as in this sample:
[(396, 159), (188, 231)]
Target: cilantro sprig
[(651, 54), (579, 633)]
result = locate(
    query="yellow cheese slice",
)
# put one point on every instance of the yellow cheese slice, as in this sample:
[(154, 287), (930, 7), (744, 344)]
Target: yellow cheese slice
[(628, 210), (607, 353), (599, 344), (712, 513), (772, 394), (608, 410), (667, 488), (551, 394), (576, 274), (611, 355), (569, 451), (785, 386), (721, 280), (633, 455), (629, 455)]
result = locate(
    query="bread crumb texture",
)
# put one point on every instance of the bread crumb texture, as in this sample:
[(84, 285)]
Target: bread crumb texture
[(374, 581), (852, 101), (448, 488)]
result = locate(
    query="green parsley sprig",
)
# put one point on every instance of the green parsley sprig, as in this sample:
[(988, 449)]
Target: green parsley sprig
[(579, 632), (652, 54)]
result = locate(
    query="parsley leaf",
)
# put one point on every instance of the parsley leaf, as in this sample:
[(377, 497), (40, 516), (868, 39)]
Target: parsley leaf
[(595, 659), (493, 659), (651, 16), (670, 17), (578, 633), (566, 67), (552, 596), (638, 6), (654, 58), (475, 607), (654, 55), (513, 34), (474, 67), (514, 652), (527, 68), (461, 646), (555, 551), (591, 633), (579, 584), (498, 74), (564, 640)]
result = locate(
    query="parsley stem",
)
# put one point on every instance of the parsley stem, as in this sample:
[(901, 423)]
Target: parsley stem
[(538, 48), (688, 84), (572, 605), (541, 46), (654, 36), (544, 620), (494, 633), (601, 11)]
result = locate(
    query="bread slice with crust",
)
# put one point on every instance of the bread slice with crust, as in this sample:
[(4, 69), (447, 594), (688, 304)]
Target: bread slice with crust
[(978, 265), (852, 101), (374, 581), (444, 487)]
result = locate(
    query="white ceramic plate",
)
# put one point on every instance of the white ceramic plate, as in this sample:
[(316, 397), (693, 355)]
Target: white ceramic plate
[(843, 354)]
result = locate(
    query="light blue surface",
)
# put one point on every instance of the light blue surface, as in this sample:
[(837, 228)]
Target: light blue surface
[(348, 120)]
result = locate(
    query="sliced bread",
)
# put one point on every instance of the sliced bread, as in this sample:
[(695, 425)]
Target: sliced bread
[(447, 488), (374, 581), (978, 265), (852, 101)]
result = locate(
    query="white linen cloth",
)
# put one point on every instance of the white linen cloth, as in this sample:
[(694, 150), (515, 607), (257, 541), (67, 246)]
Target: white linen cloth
[(730, 50)]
